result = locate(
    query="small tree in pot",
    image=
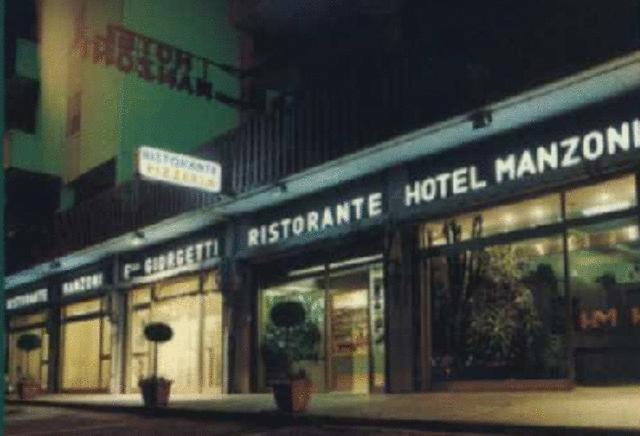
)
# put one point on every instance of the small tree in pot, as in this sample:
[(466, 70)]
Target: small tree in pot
[(28, 386), (293, 393), (156, 390)]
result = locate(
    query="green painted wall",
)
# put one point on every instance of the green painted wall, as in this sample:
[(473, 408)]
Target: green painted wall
[(158, 116), (27, 59), (120, 112), (55, 34), (100, 91), (26, 152)]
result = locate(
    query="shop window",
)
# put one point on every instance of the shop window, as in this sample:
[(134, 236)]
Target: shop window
[(82, 308), (341, 345), (612, 195), (27, 320), (140, 296), (604, 265), (177, 287), (487, 222), (33, 364), (81, 355), (196, 321), (498, 312), (85, 346)]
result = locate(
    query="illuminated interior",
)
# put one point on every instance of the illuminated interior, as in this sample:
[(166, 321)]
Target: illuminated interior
[(86, 346), (193, 358), (34, 364), (343, 307), (524, 274)]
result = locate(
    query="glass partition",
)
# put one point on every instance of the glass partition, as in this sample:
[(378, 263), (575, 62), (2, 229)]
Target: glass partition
[(36, 363), (612, 195), (604, 264), (499, 312)]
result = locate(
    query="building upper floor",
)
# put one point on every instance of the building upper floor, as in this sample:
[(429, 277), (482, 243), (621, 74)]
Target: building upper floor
[(314, 84)]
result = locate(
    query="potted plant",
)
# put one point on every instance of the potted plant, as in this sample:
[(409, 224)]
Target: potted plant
[(292, 392), (156, 390), (28, 386)]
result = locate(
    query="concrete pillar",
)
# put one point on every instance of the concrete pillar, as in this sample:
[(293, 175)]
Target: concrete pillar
[(402, 322), (53, 366), (241, 344), (118, 320)]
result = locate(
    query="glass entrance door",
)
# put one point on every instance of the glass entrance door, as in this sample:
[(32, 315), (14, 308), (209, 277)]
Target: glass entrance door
[(344, 304), (349, 339)]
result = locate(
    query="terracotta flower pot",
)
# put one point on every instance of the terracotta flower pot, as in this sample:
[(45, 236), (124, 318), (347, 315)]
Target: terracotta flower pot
[(155, 391), (294, 395), (28, 389)]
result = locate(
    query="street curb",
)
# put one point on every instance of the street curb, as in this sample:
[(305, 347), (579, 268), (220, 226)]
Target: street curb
[(278, 419)]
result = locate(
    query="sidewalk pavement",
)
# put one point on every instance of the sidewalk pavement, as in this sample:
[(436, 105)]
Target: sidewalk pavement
[(578, 411)]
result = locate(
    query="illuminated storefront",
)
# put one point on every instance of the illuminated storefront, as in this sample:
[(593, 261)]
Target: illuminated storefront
[(177, 284), (27, 313), (342, 341), (511, 261), (85, 331), (515, 266)]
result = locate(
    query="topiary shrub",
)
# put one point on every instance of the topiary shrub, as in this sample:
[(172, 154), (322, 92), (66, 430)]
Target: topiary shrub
[(157, 332), (289, 317)]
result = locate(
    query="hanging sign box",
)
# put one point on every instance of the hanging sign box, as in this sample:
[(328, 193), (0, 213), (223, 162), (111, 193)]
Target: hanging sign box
[(179, 169)]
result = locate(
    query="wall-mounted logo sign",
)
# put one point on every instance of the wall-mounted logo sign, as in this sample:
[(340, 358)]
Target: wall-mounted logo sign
[(28, 299), (170, 259), (150, 59), (84, 283), (179, 169), (317, 220), (563, 153)]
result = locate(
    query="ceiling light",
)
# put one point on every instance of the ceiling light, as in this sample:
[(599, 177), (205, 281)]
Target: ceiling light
[(138, 238)]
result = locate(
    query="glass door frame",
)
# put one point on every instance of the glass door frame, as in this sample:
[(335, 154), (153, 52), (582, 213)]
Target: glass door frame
[(103, 315), (325, 273)]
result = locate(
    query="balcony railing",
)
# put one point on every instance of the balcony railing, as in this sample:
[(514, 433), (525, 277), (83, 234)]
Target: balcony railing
[(325, 124), (297, 134), (122, 209)]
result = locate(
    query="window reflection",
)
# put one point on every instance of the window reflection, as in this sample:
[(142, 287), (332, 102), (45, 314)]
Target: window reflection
[(609, 196), (604, 265)]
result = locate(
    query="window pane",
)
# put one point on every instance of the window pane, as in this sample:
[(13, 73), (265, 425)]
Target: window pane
[(612, 195), (27, 320), (80, 356), (604, 263), (82, 308), (177, 286), (501, 219), (499, 312)]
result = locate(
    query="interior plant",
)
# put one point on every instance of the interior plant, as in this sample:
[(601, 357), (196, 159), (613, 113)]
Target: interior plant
[(292, 390), (28, 386), (505, 326), (156, 390)]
